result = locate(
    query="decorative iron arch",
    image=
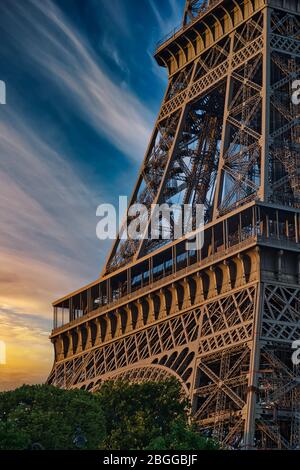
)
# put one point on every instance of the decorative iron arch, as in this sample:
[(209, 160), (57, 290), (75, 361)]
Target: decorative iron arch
[(142, 374)]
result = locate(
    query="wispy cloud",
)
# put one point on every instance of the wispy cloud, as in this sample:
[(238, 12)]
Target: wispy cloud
[(165, 23), (28, 353), (172, 20), (112, 52), (48, 244), (115, 13), (43, 203), (68, 61), (159, 18)]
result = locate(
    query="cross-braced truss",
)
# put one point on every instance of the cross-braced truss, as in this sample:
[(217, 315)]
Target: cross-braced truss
[(284, 112)]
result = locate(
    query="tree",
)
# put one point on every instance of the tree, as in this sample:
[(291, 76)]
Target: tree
[(148, 416), (50, 418), (182, 436), (11, 437), (120, 416), (136, 413)]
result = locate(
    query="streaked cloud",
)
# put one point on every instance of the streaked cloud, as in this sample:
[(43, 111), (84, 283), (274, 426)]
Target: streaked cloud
[(48, 243), (28, 351), (67, 59), (170, 21)]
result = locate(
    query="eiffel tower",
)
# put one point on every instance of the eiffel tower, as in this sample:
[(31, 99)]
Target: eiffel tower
[(222, 319)]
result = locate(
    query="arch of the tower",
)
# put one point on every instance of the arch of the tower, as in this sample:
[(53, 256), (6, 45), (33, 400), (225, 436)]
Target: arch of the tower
[(137, 374)]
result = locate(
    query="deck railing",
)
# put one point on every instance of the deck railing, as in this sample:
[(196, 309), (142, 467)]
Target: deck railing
[(204, 8)]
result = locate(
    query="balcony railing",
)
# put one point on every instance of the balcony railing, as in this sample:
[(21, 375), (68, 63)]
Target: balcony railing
[(249, 240), (204, 8), (255, 223)]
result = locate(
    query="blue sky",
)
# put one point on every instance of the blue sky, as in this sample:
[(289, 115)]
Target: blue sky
[(83, 91)]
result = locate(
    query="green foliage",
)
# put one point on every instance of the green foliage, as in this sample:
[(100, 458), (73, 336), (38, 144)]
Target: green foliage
[(12, 437), (136, 413), (182, 437), (147, 416), (121, 416), (50, 417)]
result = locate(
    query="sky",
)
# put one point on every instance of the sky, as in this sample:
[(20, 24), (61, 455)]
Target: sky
[(82, 95)]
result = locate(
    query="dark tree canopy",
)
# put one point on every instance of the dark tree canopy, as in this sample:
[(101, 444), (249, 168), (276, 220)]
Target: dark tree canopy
[(120, 416), (49, 417), (136, 413), (148, 416), (182, 437)]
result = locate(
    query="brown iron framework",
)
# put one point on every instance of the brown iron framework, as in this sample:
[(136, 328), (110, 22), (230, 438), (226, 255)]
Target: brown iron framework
[(222, 319)]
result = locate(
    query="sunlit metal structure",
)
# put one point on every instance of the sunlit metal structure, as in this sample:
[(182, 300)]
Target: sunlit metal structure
[(222, 319)]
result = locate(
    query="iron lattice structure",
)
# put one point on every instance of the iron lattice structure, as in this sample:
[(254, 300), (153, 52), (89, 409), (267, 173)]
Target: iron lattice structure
[(222, 318)]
